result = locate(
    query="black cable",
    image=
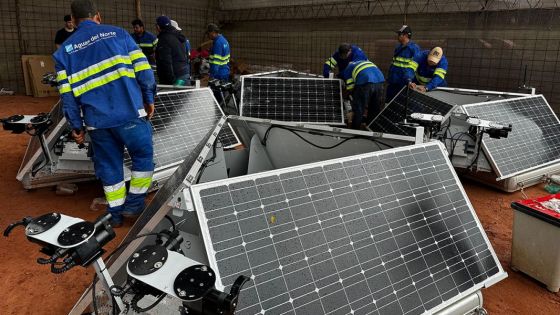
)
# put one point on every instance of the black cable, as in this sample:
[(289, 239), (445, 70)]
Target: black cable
[(478, 151), (63, 269), (205, 164), (94, 297), (171, 221), (114, 301), (442, 127), (377, 142), (51, 260), (38, 166), (454, 144), (136, 308)]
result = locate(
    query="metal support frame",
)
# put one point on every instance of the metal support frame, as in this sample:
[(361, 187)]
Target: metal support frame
[(107, 281)]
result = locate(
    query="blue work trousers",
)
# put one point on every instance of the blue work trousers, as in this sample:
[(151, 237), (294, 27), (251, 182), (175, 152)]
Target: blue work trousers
[(393, 90), (108, 149), (364, 96)]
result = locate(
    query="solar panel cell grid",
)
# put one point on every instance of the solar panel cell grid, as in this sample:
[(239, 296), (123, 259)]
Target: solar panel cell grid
[(389, 233), (284, 74), (535, 137), (292, 99), (388, 121), (181, 120)]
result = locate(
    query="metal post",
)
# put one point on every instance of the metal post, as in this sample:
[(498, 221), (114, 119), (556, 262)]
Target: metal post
[(105, 278), (138, 7), (21, 42)]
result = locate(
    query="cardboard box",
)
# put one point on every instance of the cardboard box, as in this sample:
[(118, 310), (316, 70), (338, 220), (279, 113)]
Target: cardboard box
[(26, 79), (37, 66)]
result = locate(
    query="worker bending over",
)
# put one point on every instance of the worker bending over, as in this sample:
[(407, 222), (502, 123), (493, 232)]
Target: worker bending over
[(345, 54), (104, 75), (403, 67), (365, 81), (432, 68)]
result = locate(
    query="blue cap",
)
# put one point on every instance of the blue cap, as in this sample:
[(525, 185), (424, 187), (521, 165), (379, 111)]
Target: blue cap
[(163, 21)]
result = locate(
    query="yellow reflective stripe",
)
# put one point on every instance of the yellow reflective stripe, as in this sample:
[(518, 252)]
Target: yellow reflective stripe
[(422, 79), (98, 67), (350, 87), (350, 81), (361, 66), (61, 75), (102, 80), (215, 56), (142, 65), (140, 182), (219, 63), (135, 54), (404, 65), (115, 194), (328, 63), (403, 59), (440, 72), (155, 42), (333, 61), (146, 45), (64, 88), (143, 182), (365, 67)]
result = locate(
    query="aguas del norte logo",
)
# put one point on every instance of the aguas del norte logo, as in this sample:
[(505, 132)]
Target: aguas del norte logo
[(70, 48)]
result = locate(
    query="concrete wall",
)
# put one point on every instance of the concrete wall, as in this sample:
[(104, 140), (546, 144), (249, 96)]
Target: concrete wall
[(486, 50), (29, 26)]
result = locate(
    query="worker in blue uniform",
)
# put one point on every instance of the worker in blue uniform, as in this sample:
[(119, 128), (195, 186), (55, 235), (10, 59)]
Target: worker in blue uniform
[(432, 68), (219, 55), (345, 54), (365, 81), (145, 40), (403, 66), (106, 83)]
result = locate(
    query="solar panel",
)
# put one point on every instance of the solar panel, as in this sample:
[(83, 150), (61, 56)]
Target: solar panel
[(389, 232), (534, 140), (388, 121), (304, 100), (180, 121), (228, 137), (284, 74)]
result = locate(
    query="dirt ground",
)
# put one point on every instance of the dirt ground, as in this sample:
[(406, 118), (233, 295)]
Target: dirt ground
[(29, 288)]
